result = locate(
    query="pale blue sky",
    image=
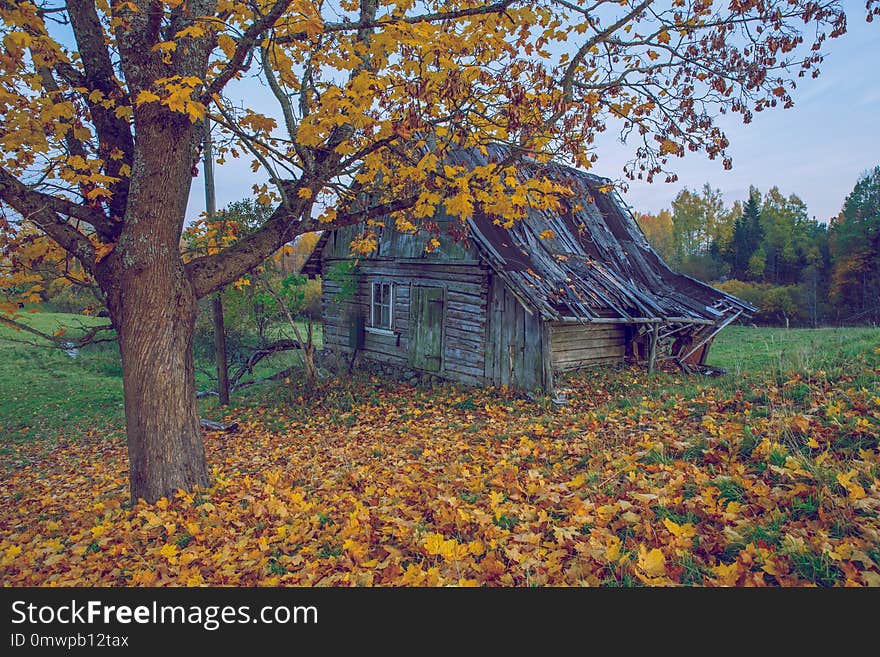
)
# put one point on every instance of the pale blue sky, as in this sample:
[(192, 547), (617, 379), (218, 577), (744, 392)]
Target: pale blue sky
[(817, 149)]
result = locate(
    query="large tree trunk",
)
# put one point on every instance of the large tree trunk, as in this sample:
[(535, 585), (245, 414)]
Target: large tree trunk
[(153, 304), (162, 422)]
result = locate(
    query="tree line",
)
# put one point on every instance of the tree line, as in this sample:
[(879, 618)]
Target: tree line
[(767, 250)]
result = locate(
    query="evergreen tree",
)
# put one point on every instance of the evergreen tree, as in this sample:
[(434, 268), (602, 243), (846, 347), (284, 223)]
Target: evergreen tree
[(747, 235), (855, 249)]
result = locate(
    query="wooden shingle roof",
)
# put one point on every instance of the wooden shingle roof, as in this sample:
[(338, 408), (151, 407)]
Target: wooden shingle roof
[(597, 264)]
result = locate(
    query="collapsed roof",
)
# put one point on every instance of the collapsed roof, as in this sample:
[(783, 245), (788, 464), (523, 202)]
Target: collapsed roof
[(596, 262), (593, 262)]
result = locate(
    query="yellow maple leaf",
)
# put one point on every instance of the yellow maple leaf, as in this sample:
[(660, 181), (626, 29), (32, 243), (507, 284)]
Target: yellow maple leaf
[(547, 234), (612, 550), (652, 563), (854, 489), (687, 530), (461, 205), (356, 549), (145, 97), (169, 551), (434, 543), (727, 574)]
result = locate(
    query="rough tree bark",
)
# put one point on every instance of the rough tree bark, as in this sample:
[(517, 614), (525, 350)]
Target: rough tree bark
[(156, 344), (153, 304)]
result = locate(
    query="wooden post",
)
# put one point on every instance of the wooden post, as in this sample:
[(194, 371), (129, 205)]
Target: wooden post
[(547, 357), (652, 355), (219, 328)]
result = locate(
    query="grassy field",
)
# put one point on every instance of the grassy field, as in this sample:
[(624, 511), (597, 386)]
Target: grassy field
[(767, 476), (748, 349), (44, 392)]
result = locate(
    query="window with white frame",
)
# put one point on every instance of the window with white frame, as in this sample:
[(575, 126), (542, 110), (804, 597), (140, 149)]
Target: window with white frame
[(381, 305)]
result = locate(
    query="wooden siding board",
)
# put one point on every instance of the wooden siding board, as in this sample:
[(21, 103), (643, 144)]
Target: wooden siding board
[(574, 346), (533, 366)]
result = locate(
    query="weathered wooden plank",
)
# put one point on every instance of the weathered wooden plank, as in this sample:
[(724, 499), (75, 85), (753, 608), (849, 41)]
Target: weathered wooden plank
[(579, 329), (546, 360), (519, 342), (463, 368), (472, 337), (382, 265), (404, 274), (533, 366), (559, 362), (569, 364), (455, 294), (463, 355), (471, 309), (567, 335), (497, 327), (586, 335), (467, 299), (587, 344), (466, 378), (587, 349), (568, 367), (588, 357), (384, 356), (509, 344), (465, 320), (472, 340)]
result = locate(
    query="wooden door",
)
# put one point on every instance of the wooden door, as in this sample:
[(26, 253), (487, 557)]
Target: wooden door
[(426, 324)]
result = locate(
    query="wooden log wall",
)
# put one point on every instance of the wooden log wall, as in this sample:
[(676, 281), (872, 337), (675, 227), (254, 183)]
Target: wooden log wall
[(575, 345), (465, 302)]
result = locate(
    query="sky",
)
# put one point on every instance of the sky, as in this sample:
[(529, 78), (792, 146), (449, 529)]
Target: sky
[(816, 150)]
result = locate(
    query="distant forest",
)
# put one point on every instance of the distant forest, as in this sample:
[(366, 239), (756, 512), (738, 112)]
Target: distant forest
[(768, 251)]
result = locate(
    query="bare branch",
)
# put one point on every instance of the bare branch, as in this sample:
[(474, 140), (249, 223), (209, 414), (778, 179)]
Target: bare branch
[(58, 341)]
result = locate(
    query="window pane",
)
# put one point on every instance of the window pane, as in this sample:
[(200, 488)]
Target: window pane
[(382, 311)]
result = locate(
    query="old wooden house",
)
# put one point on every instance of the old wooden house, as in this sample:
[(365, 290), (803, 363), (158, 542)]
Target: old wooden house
[(556, 292)]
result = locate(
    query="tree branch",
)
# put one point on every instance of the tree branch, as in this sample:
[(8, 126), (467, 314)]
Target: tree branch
[(209, 273), (57, 204), (244, 48), (113, 132), (40, 209), (329, 28), (60, 341)]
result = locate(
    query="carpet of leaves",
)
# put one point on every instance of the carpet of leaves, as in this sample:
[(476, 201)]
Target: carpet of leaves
[(638, 480)]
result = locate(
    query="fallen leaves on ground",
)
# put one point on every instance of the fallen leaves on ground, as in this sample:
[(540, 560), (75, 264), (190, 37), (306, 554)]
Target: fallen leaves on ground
[(638, 480)]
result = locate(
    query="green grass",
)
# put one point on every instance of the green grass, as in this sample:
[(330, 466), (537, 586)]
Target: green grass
[(46, 393), (748, 349)]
